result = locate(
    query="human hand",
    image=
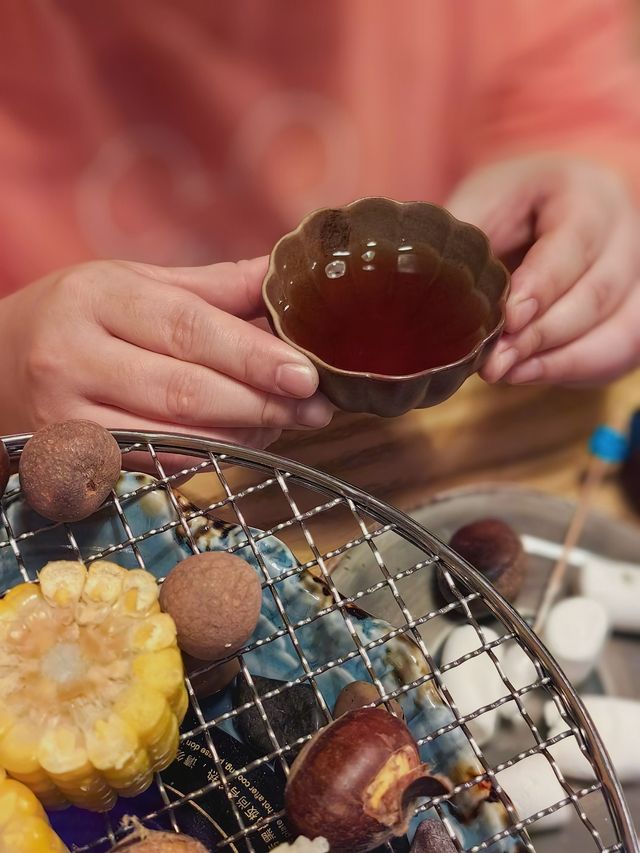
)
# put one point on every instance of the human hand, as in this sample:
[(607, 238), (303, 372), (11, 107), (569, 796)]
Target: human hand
[(134, 346), (574, 307)]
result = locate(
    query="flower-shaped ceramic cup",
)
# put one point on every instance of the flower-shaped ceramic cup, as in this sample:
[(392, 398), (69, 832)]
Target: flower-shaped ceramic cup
[(396, 303)]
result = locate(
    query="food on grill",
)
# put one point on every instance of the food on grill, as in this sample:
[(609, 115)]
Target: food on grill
[(356, 781), (24, 826), (493, 548), (68, 469), (92, 684), (214, 598)]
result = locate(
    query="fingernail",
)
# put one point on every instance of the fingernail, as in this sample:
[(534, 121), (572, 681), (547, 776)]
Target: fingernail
[(503, 362), (521, 313), (314, 413), (299, 380), (528, 371), (502, 346)]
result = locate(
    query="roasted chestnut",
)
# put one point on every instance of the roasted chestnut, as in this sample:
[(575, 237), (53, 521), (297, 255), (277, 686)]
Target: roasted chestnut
[(494, 549), (356, 781)]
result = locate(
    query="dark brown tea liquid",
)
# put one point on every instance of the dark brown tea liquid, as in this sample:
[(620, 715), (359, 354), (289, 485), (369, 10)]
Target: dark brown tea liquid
[(389, 311)]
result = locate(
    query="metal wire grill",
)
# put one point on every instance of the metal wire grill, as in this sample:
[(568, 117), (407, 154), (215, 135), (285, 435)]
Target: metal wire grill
[(304, 497)]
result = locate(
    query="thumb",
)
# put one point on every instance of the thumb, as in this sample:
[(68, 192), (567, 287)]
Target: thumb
[(499, 204), (234, 287)]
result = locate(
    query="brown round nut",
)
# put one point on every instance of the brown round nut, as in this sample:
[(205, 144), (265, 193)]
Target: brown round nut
[(5, 468), (68, 469), (493, 548), (360, 693), (214, 599)]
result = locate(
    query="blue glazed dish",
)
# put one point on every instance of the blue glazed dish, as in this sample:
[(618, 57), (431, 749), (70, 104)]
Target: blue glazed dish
[(335, 645)]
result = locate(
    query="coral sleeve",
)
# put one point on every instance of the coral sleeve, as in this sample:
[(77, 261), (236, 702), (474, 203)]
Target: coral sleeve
[(558, 76)]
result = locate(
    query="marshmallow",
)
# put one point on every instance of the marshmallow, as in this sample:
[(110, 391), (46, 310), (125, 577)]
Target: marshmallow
[(575, 632), (475, 682), (532, 786), (617, 587), (617, 722)]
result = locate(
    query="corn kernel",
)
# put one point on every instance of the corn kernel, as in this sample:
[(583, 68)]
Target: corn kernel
[(164, 751), (104, 582), (163, 671), (180, 702), (15, 800), (18, 750), (63, 756), (157, 632), (62, 582), (30, 835), (146, 711), (140, 592)]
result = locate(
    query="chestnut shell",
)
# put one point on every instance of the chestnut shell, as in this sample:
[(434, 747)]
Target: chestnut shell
[(325, 793)]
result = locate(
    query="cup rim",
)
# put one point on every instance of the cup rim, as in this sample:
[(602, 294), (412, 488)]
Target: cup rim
[(384, 377)]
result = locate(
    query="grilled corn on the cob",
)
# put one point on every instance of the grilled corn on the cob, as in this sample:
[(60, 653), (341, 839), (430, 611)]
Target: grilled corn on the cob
[(92, 684), (24, 827)]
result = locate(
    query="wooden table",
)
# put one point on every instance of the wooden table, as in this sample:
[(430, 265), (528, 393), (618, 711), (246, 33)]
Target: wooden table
[(532, 436)]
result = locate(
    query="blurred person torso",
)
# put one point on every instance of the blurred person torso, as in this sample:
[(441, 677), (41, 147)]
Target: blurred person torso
[(184, 132)]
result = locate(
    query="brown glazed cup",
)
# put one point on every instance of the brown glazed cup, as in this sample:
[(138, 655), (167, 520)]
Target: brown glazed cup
[(300, 263)]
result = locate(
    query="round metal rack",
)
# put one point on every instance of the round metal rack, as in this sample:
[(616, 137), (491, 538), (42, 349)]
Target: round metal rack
[(303, 505)]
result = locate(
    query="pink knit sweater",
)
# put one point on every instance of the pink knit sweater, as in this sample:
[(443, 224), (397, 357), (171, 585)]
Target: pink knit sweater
[(189, 131)]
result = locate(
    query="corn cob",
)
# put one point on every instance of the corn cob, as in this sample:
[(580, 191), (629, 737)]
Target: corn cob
[(92, 684), (24, 827)]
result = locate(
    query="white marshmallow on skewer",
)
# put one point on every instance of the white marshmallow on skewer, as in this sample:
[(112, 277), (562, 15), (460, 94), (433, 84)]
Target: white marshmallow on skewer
[(617, 722), (574, 632), (532, 787), (476, 682), (616, 586)]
